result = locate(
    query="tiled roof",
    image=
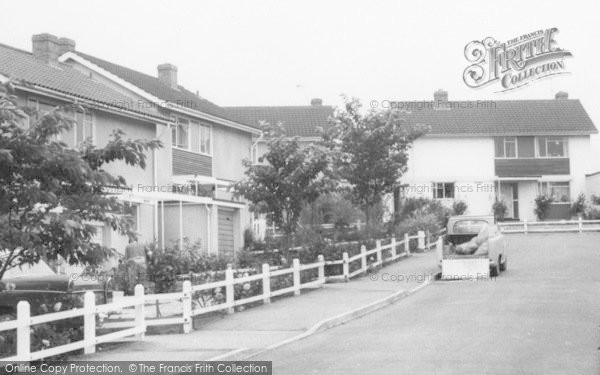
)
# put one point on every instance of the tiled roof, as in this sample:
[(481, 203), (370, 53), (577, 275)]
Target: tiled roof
[(301, 121), (155, 87), (21, 65), (505, 117)]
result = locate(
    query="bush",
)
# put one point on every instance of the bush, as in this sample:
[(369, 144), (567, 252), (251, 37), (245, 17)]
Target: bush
[(499, 208), (593, 212), (459, 207), (331, 209), (412, 206), (578, 207), (542, 206), (595, 199), (427, 222)]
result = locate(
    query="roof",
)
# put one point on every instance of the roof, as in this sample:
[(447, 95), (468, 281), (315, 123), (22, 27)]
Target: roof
[(22, 66), (504, 117), (155, 87), (301, 121)]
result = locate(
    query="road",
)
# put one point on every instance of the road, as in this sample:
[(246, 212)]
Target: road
[(542, 316)]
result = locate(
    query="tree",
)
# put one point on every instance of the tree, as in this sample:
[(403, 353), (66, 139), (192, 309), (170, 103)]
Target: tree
[(370, 151), (290, 177), (51, 193)]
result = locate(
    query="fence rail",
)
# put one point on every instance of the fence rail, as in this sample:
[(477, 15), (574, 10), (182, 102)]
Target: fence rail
[(556, 226)]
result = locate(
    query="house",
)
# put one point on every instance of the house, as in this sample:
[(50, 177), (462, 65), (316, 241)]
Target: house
[(513, 150), (303, 122), (593, 183), (184, 190)]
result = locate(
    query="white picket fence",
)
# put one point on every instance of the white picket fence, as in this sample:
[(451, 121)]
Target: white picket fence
[(90, 310), (578, 226), (142, 302)]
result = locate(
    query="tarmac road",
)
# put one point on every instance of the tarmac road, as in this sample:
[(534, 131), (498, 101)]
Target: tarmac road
[(541, 316)]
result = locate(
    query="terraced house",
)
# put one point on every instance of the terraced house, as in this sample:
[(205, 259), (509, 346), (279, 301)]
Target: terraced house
[(512, 150), (184, 191)]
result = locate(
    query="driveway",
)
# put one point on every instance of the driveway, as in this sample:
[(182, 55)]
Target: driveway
[(542, 316)]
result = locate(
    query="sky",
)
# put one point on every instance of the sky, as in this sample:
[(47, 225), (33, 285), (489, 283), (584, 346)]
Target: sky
[(286, 52)]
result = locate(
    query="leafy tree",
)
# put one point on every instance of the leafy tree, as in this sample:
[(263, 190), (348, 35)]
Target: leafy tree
[(50, 193), (290, 177), (370, 151)]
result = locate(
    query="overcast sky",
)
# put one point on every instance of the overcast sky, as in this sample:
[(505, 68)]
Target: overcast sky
[(287, 52)]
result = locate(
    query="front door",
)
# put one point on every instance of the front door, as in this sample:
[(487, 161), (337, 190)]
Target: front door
[(509, 193)]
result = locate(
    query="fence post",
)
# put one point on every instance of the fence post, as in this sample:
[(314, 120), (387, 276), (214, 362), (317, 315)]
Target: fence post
[(525, 226), (421, 240), (266, 282), (580, 225), (363, 258), (296, 266), (439, 249), (321, 260), (394, 248), (89, 322), (140, 322), (345, 266), (229, 289), (23, 334), (187, 306), (379, 255), (406, 244)]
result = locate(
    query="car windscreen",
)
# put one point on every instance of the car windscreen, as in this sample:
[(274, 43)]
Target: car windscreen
[(469, 226)]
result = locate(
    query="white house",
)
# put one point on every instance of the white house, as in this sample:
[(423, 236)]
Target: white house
[(514, 150)]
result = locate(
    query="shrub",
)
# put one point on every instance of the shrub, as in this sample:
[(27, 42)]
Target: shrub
[(411, 206), (578, 207), (542, 205), (459, 207), (427, 222), (593, 212), (331, 209), (595, 199), (499, 208)]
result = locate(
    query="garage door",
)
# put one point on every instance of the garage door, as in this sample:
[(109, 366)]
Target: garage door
[(225, 232)]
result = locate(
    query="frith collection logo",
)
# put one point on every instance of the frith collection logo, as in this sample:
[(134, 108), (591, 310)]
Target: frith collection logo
[(515, 63)]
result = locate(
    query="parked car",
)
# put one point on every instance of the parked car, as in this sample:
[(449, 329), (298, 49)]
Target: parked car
[(50, 292), (473, 237)]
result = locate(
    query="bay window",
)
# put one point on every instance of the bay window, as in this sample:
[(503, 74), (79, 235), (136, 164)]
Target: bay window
[(180, 136), (559, 191)]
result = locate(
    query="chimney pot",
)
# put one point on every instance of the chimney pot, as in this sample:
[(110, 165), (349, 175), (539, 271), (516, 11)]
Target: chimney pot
[(167, 74), (561, 95), (316, 101)]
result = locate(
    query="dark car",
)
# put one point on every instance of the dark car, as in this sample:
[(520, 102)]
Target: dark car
[(50, 292)]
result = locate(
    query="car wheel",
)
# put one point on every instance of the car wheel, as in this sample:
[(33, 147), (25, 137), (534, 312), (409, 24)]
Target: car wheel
[(504, 264)]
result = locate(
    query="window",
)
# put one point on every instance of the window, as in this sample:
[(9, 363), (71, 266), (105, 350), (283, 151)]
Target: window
[(41, 108), (205, 139), (506, 147), (469, 226), (559, 191), (84, 127), (443, 190), (180, 136), (551, 147)]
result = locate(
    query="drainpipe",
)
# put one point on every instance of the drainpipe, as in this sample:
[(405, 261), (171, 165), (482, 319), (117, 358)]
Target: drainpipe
[(208, 231)]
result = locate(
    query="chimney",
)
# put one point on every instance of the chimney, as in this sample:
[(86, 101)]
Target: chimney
[(167, 74), (45, 47), (440, 96), (316, 101), (65, 45), (561, 95)]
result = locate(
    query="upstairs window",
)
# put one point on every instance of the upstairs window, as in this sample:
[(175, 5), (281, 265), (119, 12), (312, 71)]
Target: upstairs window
[(84, 127), (180, 136), (205, 139), (506, 147), (443, 190), (552, 147)]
